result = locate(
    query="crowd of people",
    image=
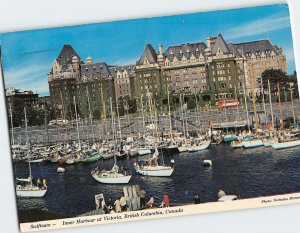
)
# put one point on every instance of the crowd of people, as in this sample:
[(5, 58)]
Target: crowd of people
[(121, 205)]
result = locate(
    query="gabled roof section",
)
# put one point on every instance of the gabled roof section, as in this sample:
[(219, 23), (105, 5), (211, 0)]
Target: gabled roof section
[(255, 46), (65, 56), (233, 50), (114, 69), (149, 55), (185, 50), (219, 43)]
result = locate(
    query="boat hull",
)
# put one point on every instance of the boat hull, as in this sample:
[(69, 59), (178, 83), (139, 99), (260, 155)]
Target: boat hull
[(183, 149), (199, 148), (253, 144), (36, 161), (229, 139), (91, 159), (159, 171), (31, 193), (118, 179), (286, 145), (144, 151)]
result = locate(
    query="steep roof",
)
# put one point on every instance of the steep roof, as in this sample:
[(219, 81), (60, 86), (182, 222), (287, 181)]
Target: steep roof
[(65, 56), (186, 50), (254, 46), (95, 69), (219, 43), (149, 54), (233, 50)]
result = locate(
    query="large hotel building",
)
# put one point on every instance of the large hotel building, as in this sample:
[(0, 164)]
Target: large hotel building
[(207, 71)]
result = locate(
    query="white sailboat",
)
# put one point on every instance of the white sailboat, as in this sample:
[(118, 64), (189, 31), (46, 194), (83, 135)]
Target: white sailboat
[(152, 168), (199, 146), (115, 175), (25, 187)]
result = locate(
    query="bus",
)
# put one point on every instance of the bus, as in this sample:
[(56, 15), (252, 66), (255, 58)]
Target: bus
[(228, 104)]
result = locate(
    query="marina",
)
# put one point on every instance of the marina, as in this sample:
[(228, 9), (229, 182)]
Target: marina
[(246, 173)]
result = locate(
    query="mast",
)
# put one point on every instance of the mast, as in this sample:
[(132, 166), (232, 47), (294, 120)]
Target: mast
[(46, 121), (225, 114), (78, 136), (142, 108), (271, 107), (263, 98), (254, 102), (27, 145), (90, 114), (11, 125), (280, 107), (246, 106), (293, 110), (182, 116), (170, 120), (113, 129), (104, 113), (119, 123)]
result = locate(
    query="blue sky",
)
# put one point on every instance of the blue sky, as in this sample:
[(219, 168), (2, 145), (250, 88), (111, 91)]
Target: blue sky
[(28, 55)]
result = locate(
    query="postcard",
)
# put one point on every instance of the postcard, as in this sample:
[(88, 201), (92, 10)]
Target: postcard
[(152, 118)]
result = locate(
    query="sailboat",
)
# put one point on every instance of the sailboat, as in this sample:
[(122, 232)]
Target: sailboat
[(152, 168), (25, 187), (115, 175), (198, 146)]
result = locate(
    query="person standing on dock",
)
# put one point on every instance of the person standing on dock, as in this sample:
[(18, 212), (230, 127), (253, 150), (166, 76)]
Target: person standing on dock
[(142, 195), (150, 202), (221, 193), (45, 183), (166, 200), (123, 203), (196, 199), (117, 205), (110, 205), (39, 183)]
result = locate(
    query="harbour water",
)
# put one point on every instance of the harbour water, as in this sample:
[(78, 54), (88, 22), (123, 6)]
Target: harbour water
[(246, 173)]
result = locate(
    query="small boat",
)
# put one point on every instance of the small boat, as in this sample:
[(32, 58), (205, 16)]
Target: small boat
[(152, 168), (114, 176), (36, 160), (253, 143), (108, 155), (25, 187), (229, 138), (144, 151), (95, 157), (286, 145), (201, 146)]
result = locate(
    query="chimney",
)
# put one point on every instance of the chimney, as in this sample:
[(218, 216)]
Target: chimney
[(208, 42), (160, 49)]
